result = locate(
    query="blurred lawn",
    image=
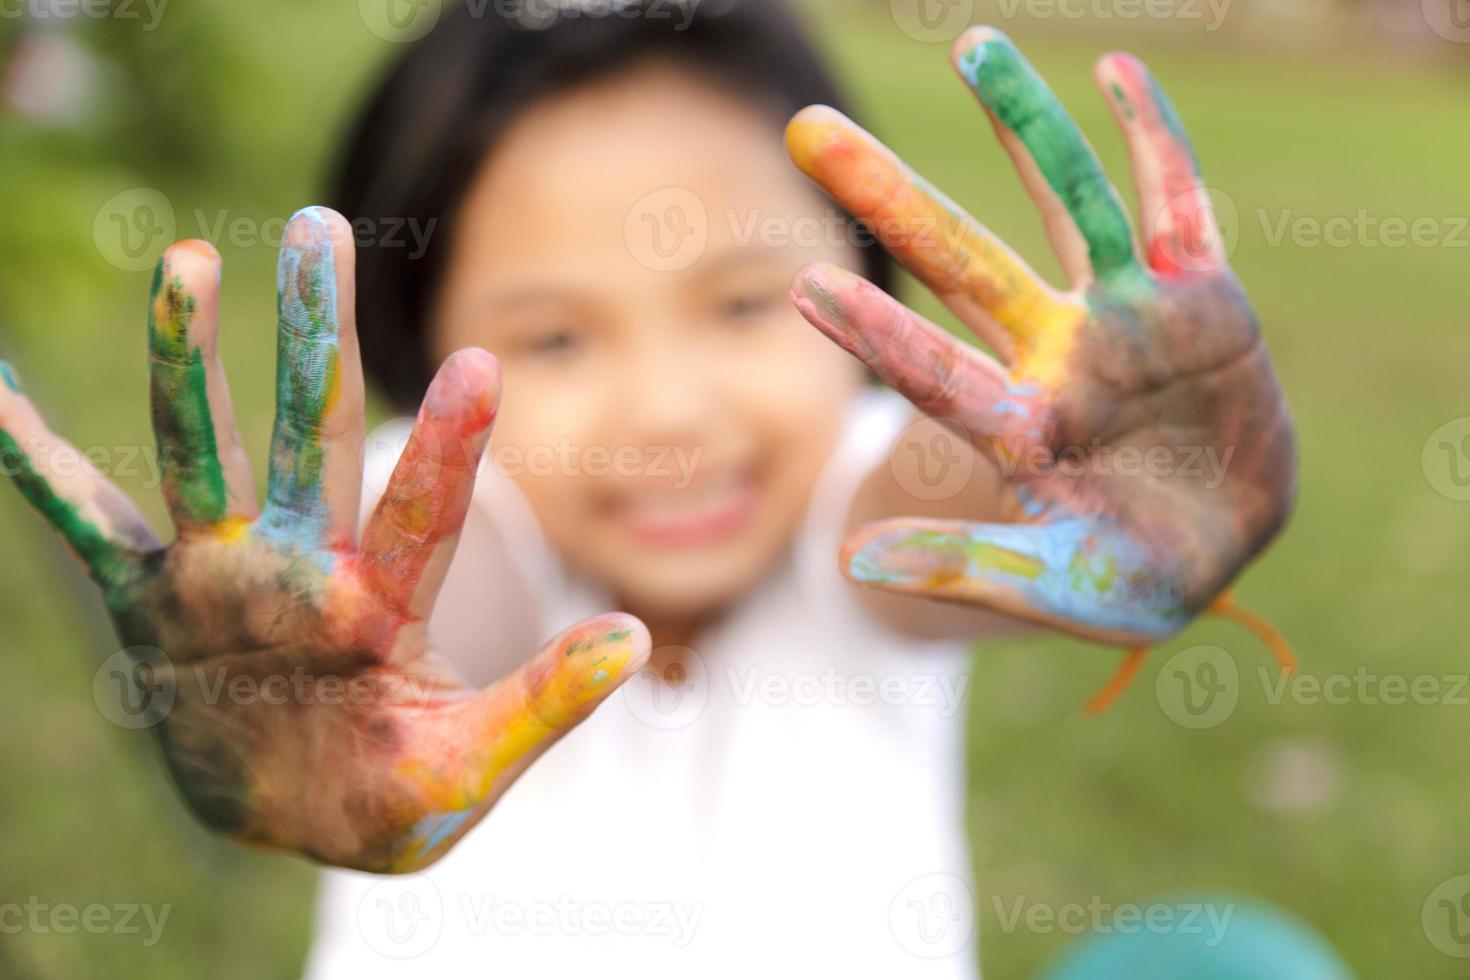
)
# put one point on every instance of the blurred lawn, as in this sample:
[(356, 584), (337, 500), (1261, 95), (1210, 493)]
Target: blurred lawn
[(239, 111)]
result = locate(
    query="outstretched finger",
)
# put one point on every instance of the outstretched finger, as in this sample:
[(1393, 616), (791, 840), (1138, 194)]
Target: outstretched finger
[(96, 519), (466, 755), (991, 289), (939, 373), (316, 450), (1078, 574), (206, 474), (1180, 228), (1052, 154), (411, 538)]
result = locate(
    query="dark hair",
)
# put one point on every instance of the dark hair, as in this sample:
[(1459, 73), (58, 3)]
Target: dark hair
[(422, 136)]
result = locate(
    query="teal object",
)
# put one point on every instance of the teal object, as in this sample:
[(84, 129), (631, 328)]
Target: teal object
[(1256, 942)]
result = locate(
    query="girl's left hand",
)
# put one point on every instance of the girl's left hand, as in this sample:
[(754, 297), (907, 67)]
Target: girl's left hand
[(1146, 451)]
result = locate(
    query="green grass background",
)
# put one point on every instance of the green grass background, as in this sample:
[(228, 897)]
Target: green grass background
[(235, 106)]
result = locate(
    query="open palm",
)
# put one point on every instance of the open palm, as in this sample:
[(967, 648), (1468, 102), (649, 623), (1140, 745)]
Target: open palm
[(1147, 451), (305, 710)]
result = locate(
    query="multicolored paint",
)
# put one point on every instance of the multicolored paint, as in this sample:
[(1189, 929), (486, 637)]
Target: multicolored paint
[(1124, 562), (1068, 569), (1180, 232), (562, 686), (95, 520), (963, 262), (390, 777), (193, 481), (1021, 102), (307, 380)]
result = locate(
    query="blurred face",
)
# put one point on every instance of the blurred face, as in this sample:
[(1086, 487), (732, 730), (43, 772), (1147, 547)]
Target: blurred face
[(626, 252)]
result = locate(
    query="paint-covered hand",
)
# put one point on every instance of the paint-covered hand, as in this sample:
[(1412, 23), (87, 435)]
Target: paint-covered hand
[(301, 707), (1145, 446)]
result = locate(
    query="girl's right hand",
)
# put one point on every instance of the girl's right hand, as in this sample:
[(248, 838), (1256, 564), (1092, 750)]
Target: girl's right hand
[(306, 710)]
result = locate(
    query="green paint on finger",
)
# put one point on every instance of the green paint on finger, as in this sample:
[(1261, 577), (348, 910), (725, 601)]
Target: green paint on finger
[(83, 536), (193, 480), (1123, 102), (1024, 104)]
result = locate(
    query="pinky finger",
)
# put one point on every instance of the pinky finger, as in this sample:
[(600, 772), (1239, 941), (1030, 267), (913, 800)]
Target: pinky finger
[(1180, 228), (96, 519), (1078, 575)]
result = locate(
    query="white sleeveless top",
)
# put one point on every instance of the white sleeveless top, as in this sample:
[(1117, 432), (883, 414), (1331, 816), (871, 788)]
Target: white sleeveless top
[(793, 809)]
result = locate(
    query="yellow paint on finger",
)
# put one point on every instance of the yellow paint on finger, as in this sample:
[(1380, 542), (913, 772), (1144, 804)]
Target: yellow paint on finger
[(946, 248)]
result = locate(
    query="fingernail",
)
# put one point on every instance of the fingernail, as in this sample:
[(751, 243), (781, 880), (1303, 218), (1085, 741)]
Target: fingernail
[(8, 374)]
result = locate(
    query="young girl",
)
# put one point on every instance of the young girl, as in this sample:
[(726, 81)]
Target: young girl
[(617, 223)]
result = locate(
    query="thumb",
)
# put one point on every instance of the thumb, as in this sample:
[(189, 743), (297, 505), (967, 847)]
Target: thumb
[(1083, 575), (480, 746)]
